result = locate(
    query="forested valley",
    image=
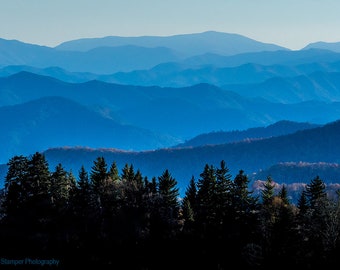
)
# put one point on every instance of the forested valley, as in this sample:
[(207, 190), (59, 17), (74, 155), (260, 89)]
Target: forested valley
[(117, 218)]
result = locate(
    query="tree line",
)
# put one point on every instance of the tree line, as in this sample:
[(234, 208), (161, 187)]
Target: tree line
[(122, 219)]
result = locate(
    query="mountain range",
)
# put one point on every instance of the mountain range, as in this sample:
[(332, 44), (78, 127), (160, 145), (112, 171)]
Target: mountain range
[(174, 102), (186, 44), (170, 115), (282, 127), (314, 145)]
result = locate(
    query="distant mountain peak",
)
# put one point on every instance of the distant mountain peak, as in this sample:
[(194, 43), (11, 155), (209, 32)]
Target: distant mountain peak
[(331, 46), (188, 44)]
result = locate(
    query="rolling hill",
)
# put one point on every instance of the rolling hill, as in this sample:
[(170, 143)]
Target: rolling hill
[(321, 86), (279, 128), (312, 145), (56, 121), (179, 112)]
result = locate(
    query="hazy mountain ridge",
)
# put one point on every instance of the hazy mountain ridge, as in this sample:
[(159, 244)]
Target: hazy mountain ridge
[(332, 46), (313, 145), (104, 59), (56, 121), (179, 112), (262, 78), (221, 137), (188, 44), (301, 172), (175, 74), (321, 86)]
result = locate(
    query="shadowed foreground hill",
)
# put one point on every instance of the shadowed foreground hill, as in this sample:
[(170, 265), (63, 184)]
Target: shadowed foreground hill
[(220, 137), (314, 145)]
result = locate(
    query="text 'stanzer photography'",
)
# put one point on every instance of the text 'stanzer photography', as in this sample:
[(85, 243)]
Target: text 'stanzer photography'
[(154, 135)]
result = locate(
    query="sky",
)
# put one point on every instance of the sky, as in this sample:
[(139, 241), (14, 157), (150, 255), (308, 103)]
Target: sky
[(289, 23)]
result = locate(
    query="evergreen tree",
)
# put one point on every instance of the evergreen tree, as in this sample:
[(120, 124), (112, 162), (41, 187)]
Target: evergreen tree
[(83, 181), (83, 195), (37, 186), (60, 187), (72, 180), (98, 175), (302, 203), (167, 188), (151, 186), (282, 236), (267, 194), (283, 194), (245, 219), (316, 192), (164, 218), (268, 214), (113, 172), (14, 181), (222, 197), (206, 185), (128, 173), (189, 202), (138, 179), (243, 199)]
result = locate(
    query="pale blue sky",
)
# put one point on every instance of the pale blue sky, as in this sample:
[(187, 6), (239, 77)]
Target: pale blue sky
[(289, 23)]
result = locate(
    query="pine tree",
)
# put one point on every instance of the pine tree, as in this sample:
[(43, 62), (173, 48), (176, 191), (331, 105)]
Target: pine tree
[(113, 172), (83, 196), (206, 185), (14, 181), (83, 180), (151, 186), (189, 202), (167, 187), (312, 224), (164, 216), (245, 218), (222, 196), (243, 199), (128, 173), (39, 181), (283, 194), (267, 194), (98, 175), (316, 192), (138, 179), (60, 187), (302, 202)]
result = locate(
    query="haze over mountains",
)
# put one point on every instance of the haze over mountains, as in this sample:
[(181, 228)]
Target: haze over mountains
[(186, 44), (311, 145), (158, 102)]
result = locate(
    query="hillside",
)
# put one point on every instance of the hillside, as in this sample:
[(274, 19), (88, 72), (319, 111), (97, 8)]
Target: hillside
[(55, 121), (332, 46), (313, 145), (101, 60), (179, 112), (301, 172), (221, 137), (322, 86)]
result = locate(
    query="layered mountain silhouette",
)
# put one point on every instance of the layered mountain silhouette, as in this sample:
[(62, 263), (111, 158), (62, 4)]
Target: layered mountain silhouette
[(332, 46), (175, 102), (56, 121), (178, 112), (283, 127), (186, 44), (322, 86), (312, 145)]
